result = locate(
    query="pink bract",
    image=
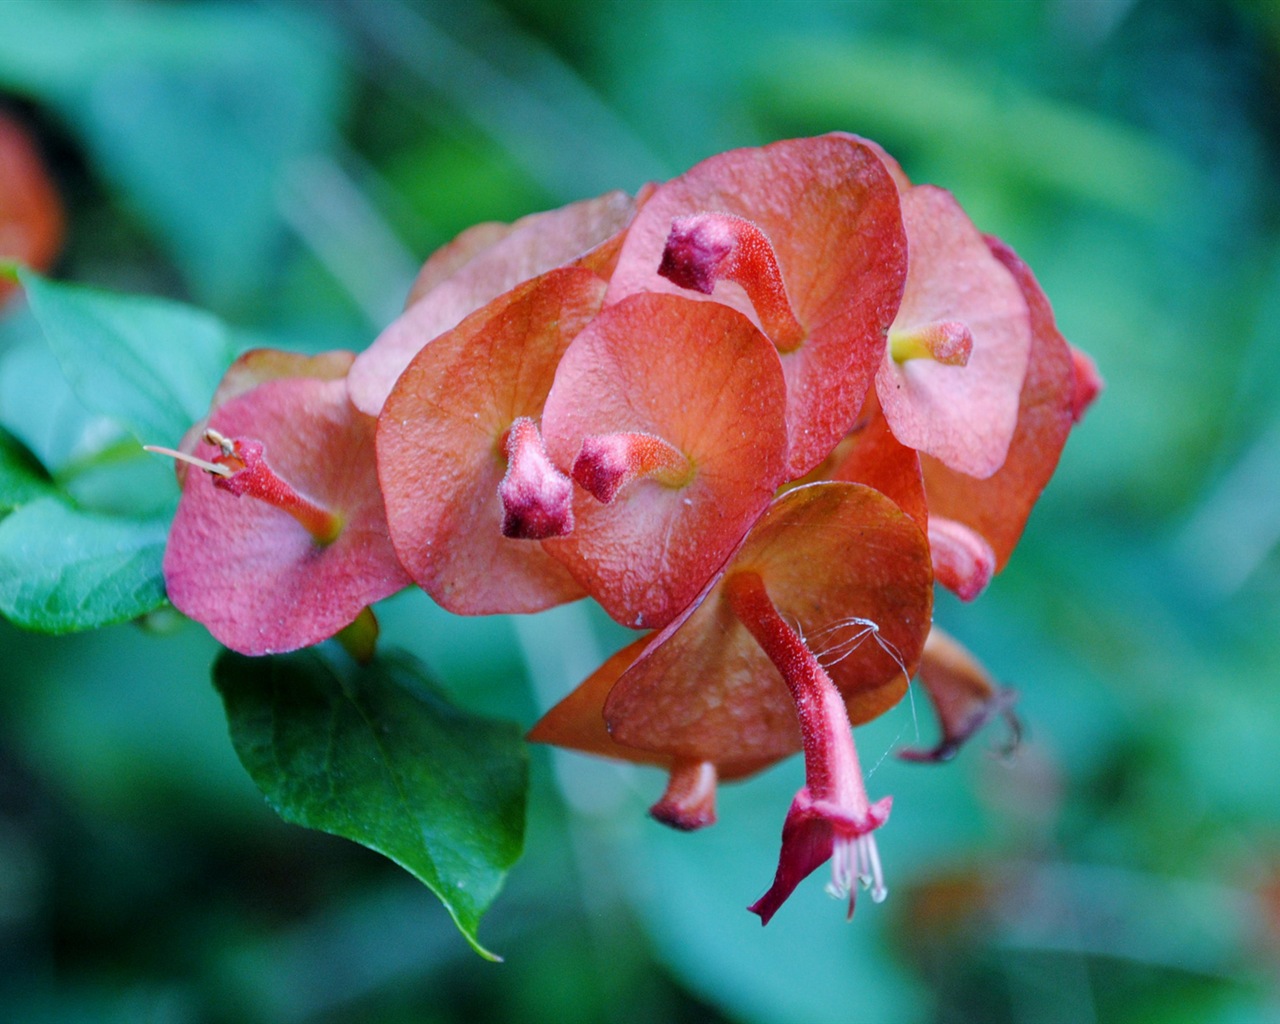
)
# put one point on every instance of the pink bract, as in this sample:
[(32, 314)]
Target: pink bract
[(964, 416), (249, 571), (997, 507)]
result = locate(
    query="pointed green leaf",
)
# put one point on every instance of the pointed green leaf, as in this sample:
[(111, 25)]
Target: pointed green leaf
[(22, 478), (63, 570), (149, 364), (379, 757)]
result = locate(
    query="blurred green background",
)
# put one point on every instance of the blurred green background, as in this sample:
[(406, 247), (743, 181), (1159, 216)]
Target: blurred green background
[(288, 165)]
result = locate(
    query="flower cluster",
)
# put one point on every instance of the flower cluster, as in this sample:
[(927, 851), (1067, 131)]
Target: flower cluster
[(756, 411)]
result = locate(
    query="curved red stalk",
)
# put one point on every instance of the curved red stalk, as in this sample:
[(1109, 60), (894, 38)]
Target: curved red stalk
[(708, 247), (831, 816), (608, 462)]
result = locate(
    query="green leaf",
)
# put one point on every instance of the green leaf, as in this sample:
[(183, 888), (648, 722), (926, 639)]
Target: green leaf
[(22, 478), (149, 364), (63, 570), (379, 757)]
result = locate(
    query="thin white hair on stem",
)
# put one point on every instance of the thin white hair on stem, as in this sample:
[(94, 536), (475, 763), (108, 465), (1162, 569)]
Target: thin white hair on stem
[(842, 646), (836, 652)]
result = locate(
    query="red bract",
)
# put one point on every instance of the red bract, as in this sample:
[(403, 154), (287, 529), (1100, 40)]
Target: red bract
[(805, 237), (672, 411), (30, 212), (443, 450), (303, 549), (871, 455), (476, 268), (957, 353), (995, 509)]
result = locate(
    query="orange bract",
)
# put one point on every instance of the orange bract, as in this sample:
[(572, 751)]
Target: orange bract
[(834, 558), (701, 378), (477, 267), (441, 446)]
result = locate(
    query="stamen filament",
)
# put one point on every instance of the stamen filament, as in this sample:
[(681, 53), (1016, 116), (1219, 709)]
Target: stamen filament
[(208, 467)]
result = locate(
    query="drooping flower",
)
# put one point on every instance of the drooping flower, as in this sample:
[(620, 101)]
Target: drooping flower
[(831, 817), (281, 541), (730, 686)]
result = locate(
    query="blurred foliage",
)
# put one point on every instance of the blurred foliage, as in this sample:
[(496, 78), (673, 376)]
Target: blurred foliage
[(287, 166)]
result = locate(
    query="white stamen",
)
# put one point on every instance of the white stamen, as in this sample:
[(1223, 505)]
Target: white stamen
[(872, 852), (855, 863), (208, 467)]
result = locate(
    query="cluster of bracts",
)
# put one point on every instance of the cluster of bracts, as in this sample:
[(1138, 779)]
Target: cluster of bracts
[(756, 412)]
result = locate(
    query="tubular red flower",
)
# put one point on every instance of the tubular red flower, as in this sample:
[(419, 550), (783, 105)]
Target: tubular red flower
[(831, 817), (963, 561), (249, 476), (708, 247), (608, 462)]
